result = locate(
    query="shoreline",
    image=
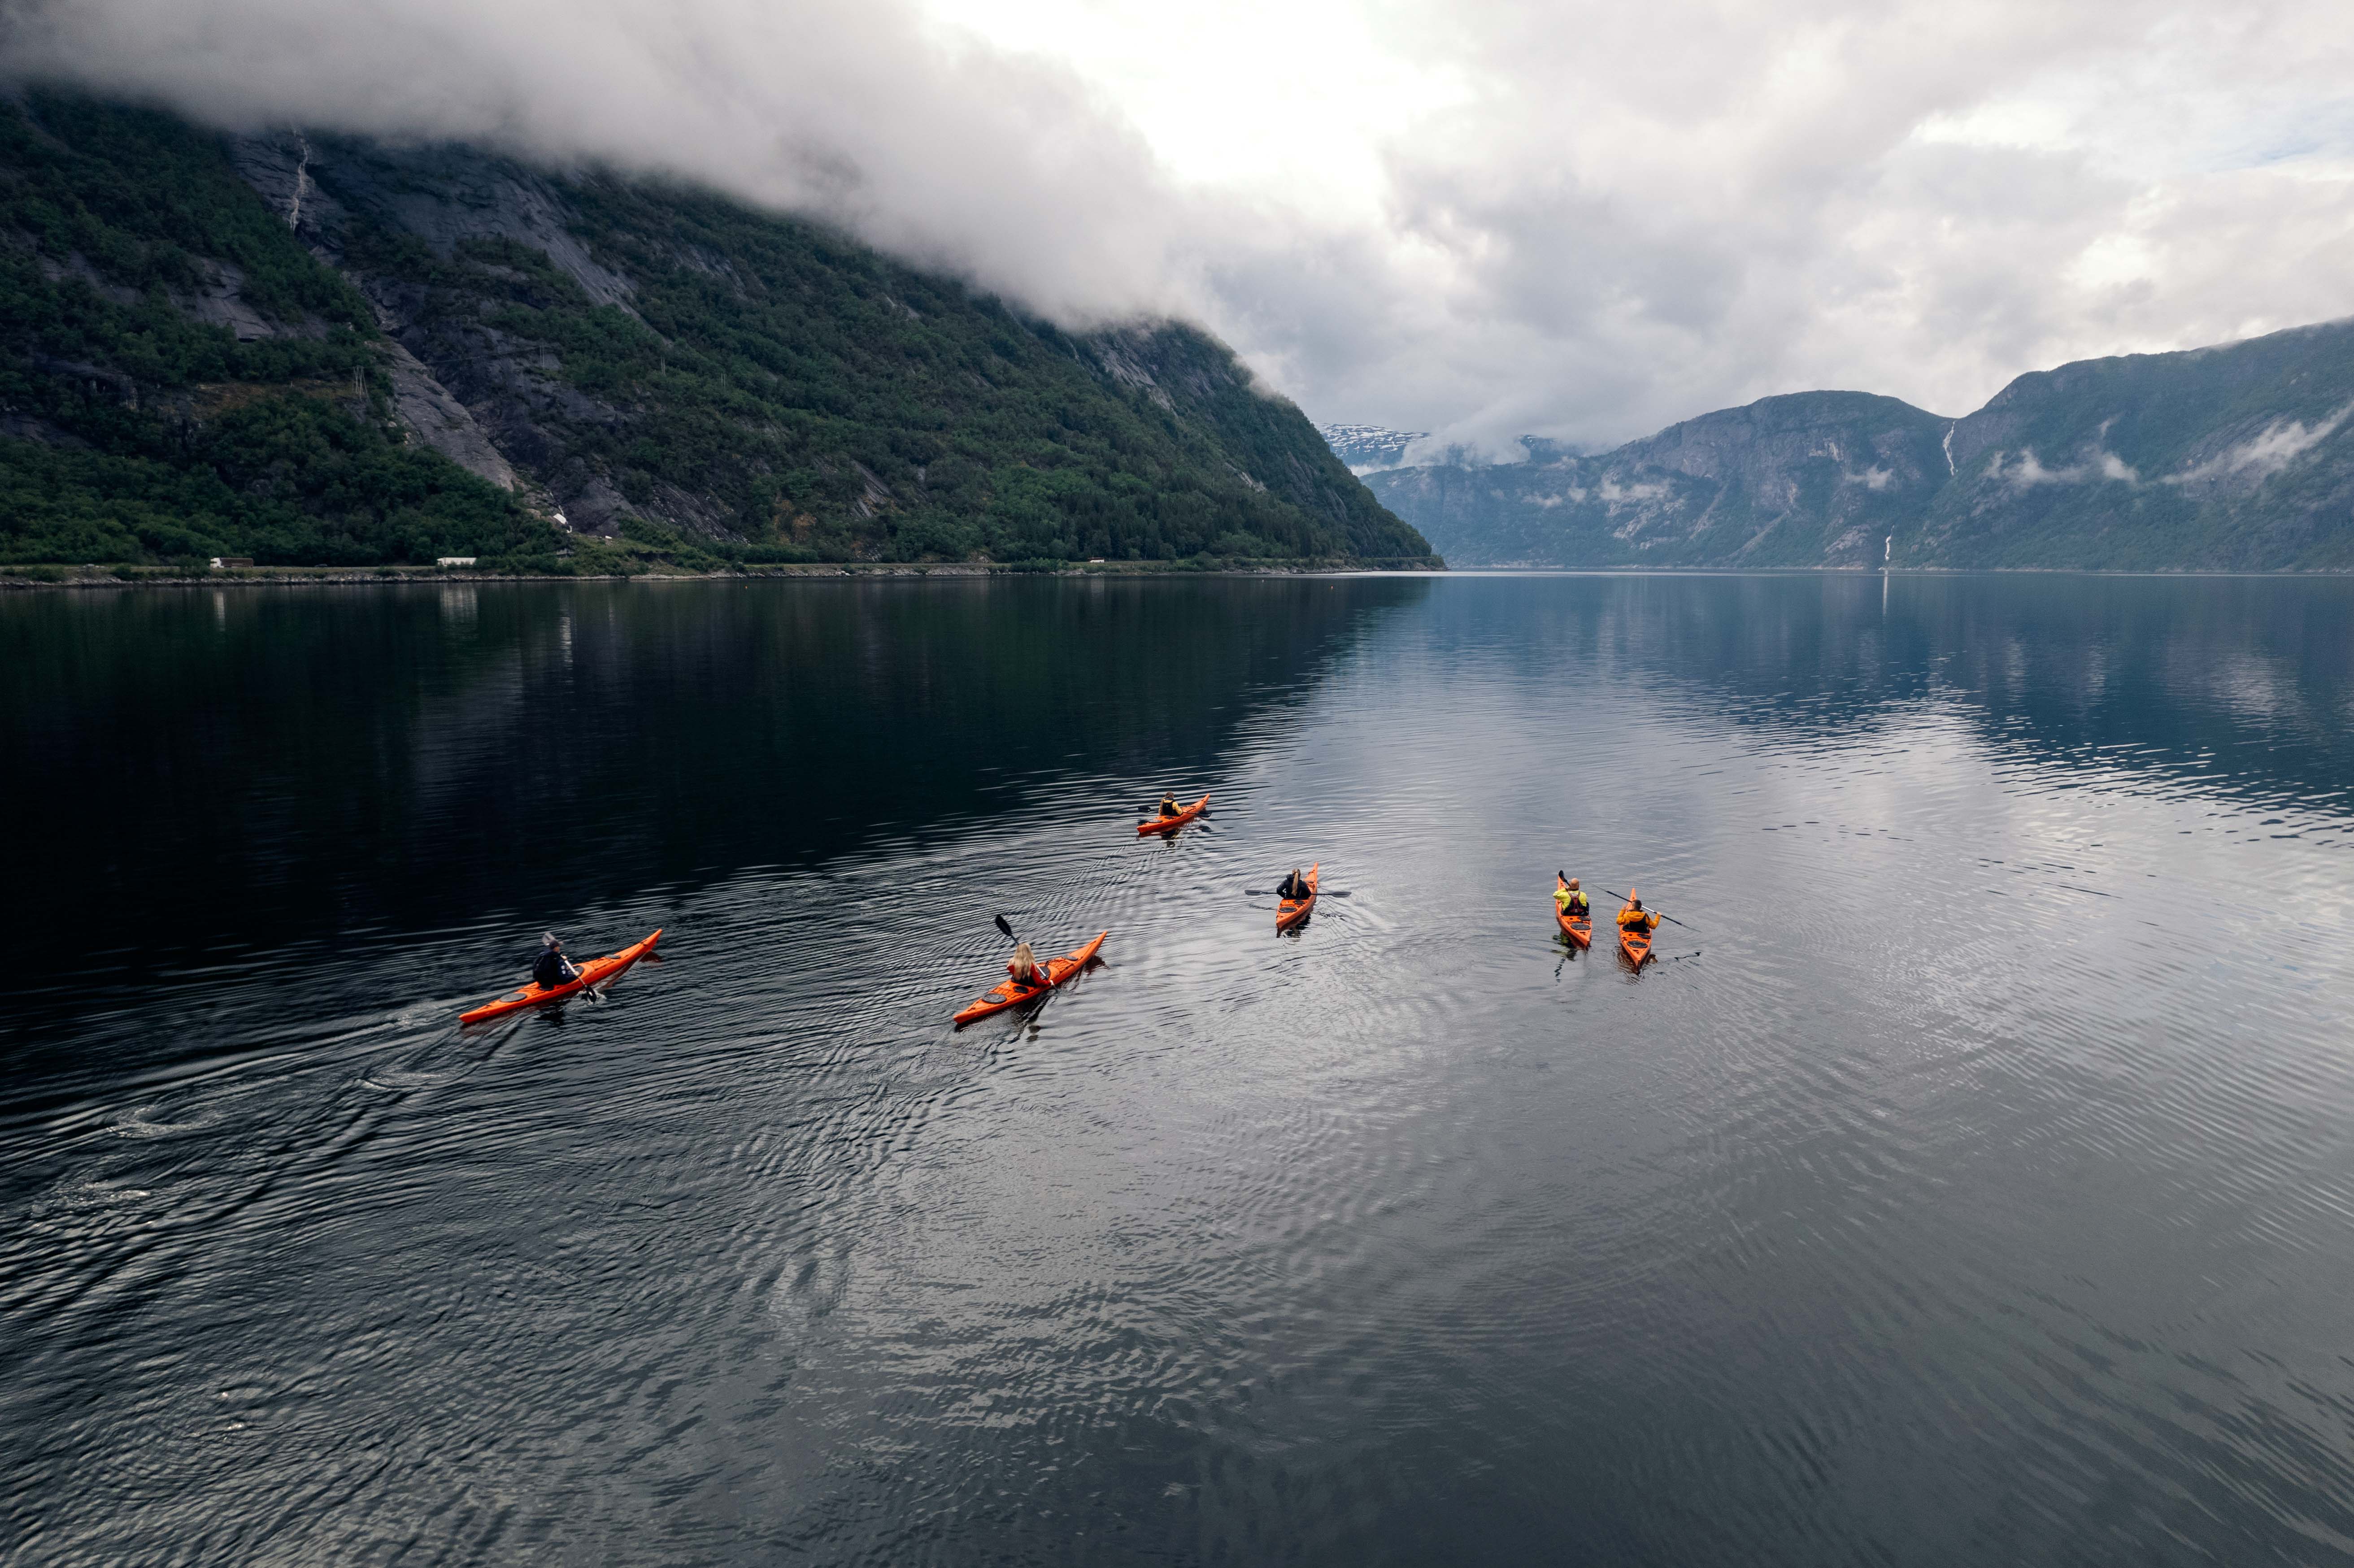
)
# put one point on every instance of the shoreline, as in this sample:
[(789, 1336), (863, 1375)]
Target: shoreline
[(72, 579), (1865, 573), (79, 577)]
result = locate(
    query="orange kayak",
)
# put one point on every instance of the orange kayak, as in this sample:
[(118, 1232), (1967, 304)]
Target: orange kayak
[(1008, 994), (1636, 943), (1578, 929), (1290, 912), (1171, 824), (596, 971)]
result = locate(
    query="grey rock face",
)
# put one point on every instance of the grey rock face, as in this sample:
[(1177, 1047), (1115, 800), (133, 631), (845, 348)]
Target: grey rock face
[(466, 390), (223, 304), (442, 422), (441, 195)]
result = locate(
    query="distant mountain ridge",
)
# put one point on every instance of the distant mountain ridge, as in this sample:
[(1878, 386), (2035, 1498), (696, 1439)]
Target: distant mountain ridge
[(2239, 457)]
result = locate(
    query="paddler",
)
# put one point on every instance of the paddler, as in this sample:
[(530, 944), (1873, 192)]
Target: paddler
[(1295, 887), (1635, 917), (1025, 968), (552, 969), (1570, 900)]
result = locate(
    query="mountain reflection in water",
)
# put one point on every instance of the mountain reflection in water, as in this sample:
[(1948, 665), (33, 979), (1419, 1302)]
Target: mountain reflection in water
[(1978, 1191)]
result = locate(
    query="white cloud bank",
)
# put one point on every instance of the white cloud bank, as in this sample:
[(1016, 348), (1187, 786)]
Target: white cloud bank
[(1584, 221)]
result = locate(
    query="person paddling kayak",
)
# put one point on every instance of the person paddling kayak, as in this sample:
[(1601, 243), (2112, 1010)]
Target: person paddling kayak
[(1023, 967), (1172, 816), (1295, 887), (1029, 981), (552, 969), (1569, 902), (1635, 917), (554, 977)]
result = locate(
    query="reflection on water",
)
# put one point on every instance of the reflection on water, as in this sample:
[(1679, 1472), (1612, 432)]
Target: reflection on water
[(1969, 1184), (261, 768)]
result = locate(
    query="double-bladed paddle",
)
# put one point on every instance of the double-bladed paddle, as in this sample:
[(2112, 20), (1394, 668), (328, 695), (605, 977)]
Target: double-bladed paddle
[(1669, 918)]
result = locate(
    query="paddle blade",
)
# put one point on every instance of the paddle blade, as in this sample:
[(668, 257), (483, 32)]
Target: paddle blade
[(1003, 926)]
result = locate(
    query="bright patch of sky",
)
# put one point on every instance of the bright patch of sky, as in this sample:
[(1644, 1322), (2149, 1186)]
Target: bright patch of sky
[(2155, 124), (1291, 102)]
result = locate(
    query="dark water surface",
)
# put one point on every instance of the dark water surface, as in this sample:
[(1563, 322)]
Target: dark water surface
[(1982, 1192)]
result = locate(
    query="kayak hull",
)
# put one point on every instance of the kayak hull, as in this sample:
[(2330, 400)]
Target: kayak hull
[(595, 972), (1008, 994), (1636, 945), (1290, 912), (1576, 929), (1171, 824)]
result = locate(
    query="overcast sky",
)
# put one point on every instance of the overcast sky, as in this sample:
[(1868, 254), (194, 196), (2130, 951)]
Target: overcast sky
[(1582, 220)]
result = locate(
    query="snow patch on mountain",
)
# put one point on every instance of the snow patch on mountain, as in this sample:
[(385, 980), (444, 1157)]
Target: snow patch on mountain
[(1369, 449)]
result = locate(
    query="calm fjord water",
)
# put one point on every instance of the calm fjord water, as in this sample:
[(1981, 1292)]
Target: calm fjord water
[(1982, 1191)]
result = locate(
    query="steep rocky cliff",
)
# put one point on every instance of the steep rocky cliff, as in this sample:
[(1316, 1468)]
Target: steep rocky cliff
[(522, 362)]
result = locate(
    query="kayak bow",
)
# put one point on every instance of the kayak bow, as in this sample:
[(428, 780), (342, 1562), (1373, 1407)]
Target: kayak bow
[(1171, 824), (1008, 994), (1290, 912), (596, 971)]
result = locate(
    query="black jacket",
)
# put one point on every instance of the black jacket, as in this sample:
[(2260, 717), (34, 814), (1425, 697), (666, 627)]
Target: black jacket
[(551, 970)]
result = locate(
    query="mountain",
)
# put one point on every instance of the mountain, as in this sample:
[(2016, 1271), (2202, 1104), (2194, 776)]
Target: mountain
[(1366, 448), (1814, 479), (314, 349), (2234, 458), (2237, 458)]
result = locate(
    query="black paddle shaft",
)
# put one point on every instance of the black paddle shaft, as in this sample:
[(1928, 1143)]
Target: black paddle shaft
[(1669, 918), (586, 990)]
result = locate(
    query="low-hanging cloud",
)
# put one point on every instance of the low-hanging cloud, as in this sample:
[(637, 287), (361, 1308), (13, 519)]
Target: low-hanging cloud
[(1597, 218), (1005, 169)]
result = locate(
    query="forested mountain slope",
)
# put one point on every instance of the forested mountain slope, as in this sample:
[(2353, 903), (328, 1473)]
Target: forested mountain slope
[(2233, 458), (2238, 458), (312, 349)]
